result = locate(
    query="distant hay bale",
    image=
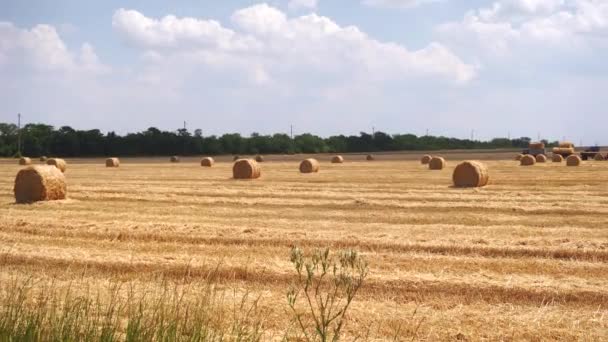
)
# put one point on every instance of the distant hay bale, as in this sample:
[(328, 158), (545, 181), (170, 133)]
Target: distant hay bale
[(573, 160), (309, 166), (470, 174), (599, 157), (43, 158), (235, 158), (337, 160), (39, 183), (564, 151), (207, 161), (58, 163), (174, 159), (527, 160), (437, 163), (557, 158), (537, 145), (369, 157), (112, 162), (246, 169), (519, 156), (425, 159), (25, 161), (541, 158), (566, 144), (259, 158)]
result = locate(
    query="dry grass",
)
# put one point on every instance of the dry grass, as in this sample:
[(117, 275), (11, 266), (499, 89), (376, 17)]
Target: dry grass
[(520, 259)]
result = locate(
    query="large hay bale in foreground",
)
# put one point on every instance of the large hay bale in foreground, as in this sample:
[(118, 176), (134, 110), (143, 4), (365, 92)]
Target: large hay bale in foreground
[(557, 158), (369, 157), (112, 162), (259, 158), (39, 183), (470, 174), (566, 144), (437, 163), (519, 156), (425, 159), (541, 158), (309, 166), (527, 160), (246, 169), (174, 159), (25, 161), (207, 162), (573, 160), (58, 163), (337, 159), (599, 157)]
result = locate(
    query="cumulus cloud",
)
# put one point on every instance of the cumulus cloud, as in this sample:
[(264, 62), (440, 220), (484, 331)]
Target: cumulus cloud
[(302, 4), (273, 46), (398, 3)]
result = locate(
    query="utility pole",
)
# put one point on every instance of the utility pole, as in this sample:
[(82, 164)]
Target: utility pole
[(539, 136), (427, 132), (373, 130), (472, 135), (19, 134)]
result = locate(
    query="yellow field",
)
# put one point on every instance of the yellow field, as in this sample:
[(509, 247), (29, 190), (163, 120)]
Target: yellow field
[(523, 258)]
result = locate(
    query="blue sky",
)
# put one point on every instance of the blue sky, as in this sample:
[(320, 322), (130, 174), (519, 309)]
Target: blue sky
[(518, 67)]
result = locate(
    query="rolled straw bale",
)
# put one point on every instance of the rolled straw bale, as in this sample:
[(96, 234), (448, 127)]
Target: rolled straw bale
[(537, 145), (566, 144), (235, 158), (174, 159), (557, 158), (563, 150), (369, 157), (541, 158), (518, 157), (259, 158), (425, 159), (573, 160), (43, 158), (25, 161), (58, 163), (309, 165), (599, 157), (527, 160), (437, 163), (246, 169), (470, 174), (39, 183), (337, 160), (207, 161), (112, 162)]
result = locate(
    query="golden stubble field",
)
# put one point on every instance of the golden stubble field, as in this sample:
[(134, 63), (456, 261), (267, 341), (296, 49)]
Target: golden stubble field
[(525, 258)]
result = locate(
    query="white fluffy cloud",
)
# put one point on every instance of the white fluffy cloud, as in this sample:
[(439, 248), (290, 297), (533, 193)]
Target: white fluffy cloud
[(273, 46), (302, 4), (398, 3)]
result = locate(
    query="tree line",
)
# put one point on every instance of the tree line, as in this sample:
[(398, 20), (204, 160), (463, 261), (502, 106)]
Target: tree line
[(40, 139)]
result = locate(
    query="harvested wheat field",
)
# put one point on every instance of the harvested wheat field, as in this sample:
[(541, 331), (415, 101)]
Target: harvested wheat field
[(523, 258)]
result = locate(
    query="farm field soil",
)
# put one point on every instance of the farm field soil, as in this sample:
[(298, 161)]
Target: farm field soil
[(525, 258)]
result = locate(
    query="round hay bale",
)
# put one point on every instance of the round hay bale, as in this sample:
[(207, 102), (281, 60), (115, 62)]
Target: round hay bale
[(537, 145), (43, 158), (519, 156), (599, 157), (25, 161), (527, 160), (309, 166), (58, 163), (557, 158), (337, 159), (259, 158), (174, 159), (112, 162), (564, 151), (235, 158), (246, 169), (207, 162), (541, 158), (369, 157), (573, 160), (425, 159), (566, 144), (437, 163), (39, 183), (470, 174)]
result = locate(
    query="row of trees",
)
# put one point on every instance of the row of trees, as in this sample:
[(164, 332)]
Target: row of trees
[(41, 139)]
